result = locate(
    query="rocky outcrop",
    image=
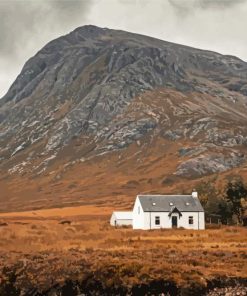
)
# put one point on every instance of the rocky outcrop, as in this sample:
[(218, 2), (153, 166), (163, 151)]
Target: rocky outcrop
[(229, 291), (112, 88), (208, 164)]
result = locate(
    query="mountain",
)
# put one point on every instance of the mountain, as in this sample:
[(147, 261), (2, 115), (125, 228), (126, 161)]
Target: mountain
[(99, 115)]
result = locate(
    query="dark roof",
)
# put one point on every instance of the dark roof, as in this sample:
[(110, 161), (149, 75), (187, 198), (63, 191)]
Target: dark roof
[(165, 203)]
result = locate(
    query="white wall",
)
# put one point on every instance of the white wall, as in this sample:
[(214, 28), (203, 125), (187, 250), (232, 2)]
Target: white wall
[(198, 219), (138, 215), (166, 221), (201, 220), (113, 219), (120, 222)]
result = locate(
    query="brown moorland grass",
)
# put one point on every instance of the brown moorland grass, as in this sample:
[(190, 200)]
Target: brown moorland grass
[(44, 251)]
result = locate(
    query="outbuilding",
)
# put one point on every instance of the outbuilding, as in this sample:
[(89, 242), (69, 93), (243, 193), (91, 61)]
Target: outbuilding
[(121, 218)]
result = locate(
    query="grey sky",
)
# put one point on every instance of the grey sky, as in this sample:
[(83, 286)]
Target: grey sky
[(27, 25)]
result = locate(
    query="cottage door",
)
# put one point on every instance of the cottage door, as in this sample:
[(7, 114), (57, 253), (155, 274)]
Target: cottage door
[(174, 221)]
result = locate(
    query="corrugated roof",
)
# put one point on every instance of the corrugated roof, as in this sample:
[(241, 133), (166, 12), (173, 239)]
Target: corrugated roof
[(165, 203), (123, 215)]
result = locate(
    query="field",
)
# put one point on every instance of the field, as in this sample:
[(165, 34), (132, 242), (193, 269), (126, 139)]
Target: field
[(65, 248)]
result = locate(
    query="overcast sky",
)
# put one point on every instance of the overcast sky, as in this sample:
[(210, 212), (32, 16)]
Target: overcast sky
[(27, 25)]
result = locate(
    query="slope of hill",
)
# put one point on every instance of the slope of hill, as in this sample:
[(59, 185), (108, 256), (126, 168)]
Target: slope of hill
[(99, 115)]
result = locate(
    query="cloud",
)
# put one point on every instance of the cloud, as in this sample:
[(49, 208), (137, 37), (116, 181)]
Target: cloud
[(186, 7), (24, 22), (27, 25), (218, 4)]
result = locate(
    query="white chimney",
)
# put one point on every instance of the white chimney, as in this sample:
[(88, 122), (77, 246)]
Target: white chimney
[(194, 194)]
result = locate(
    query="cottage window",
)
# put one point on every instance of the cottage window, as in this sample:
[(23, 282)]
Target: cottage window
[(157, 220), (191, 220)]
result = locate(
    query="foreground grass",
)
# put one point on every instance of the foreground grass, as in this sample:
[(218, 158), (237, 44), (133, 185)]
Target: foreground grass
[(44, 252)]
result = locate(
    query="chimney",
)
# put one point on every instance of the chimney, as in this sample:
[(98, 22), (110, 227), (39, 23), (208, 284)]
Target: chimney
[(194, 194)]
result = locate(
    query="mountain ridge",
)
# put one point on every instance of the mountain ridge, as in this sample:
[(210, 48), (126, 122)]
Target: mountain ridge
[(97, 95), (92, 29)]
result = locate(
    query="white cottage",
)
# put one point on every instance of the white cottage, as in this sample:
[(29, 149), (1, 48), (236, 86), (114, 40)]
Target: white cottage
[(168, 211), (121, 218)]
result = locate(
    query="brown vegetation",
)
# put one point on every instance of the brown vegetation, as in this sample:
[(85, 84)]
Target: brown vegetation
[(43, 252)]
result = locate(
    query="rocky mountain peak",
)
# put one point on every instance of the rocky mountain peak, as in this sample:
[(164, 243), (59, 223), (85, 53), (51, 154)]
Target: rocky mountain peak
[(96, 93)]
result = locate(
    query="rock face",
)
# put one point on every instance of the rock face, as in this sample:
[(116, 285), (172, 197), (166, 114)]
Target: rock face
[(96, 91)]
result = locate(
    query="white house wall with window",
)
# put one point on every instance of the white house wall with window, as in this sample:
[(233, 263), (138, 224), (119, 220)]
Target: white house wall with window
[(168, 211)]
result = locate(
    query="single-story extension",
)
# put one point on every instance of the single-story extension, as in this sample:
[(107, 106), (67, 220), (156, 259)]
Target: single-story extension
[(121, 218)]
